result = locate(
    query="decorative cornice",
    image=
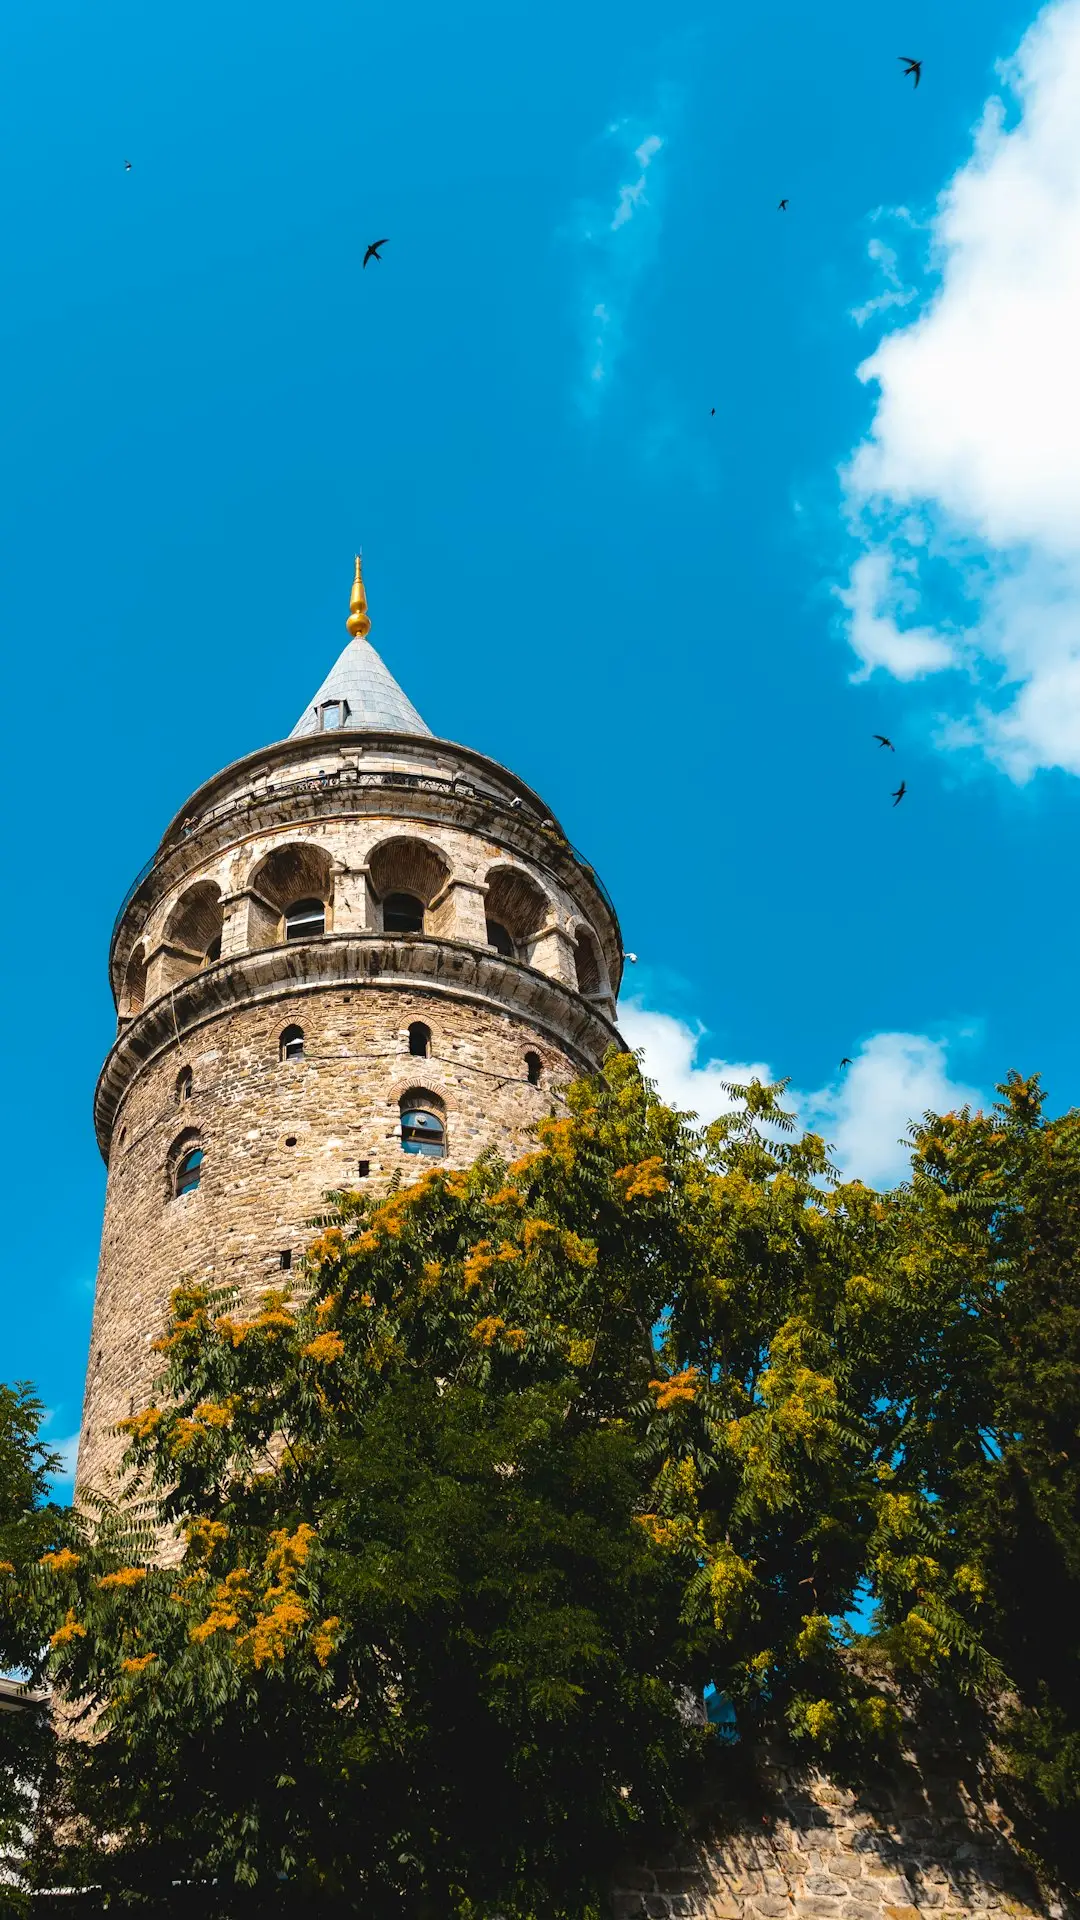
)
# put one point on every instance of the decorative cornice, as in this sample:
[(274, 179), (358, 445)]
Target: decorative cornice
[(451, 968)]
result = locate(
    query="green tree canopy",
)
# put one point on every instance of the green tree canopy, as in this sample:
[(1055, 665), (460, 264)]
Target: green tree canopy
[(465, 1525), (29, 1526)]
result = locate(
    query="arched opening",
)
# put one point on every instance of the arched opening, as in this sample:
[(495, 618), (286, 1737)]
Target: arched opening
[(134, 994), (516, 910), (291, 1044), (402, 913), (305, 919), (192, 933), (423, 1123), (590, 978), (290, 895), (186, 1164), (185, 1085), (533, 1066), (409, 880), (419, 1040)]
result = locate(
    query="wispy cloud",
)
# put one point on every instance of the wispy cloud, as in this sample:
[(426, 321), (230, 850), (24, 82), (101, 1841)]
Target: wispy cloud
[(863, 1112), (618, 239), (965, 496)]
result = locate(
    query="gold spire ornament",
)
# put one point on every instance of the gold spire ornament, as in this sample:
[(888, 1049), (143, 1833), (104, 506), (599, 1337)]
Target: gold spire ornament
[(358, 623)]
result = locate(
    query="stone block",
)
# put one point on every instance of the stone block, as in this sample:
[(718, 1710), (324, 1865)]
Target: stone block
[(771, 1906), (825, 1883), (816, 1906)]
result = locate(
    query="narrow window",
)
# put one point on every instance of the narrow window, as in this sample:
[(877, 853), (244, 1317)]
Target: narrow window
[(498, 937), (331, 714), (304, 919), (422, 1131), (402, 913), (419, 1039), (533, 1064), (189, 1171), (291, 1044), (363, 1168), (213, 951), (284, 1259), (185, 1082)]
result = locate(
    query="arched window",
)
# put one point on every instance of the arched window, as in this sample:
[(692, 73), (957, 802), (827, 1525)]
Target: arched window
[(420, 1039), (213, 951), (500, 939), (185, 1083), (533, 1064), (402, 913), (291, 1044), (304, 919), (189, 1171), (423, 1129), (588, 964)]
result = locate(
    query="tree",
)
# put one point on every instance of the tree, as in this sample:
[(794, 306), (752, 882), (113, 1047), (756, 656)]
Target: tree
[(29, 1526), (464, 1526)]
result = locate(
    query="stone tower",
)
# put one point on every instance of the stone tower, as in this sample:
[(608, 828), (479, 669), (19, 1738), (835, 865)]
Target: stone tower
[(353, 951)]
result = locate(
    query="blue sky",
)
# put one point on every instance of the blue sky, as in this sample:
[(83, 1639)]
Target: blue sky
[(683, 628)]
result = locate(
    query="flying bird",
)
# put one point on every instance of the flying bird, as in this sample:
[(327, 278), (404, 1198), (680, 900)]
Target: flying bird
[(782, 208), (373, 251), (899, 794), (845, 1062), (883, 742), (712, 410), (914, 67), (127, 166)]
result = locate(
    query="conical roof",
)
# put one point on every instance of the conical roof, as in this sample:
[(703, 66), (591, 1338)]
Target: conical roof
[(363, 687)]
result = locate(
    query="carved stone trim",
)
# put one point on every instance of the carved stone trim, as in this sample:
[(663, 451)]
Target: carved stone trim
[(452, 968)]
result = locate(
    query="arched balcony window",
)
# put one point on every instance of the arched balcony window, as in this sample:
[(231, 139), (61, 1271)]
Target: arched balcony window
[(291, 1044), (423, 1129), (185, 1084), (403, 913), (501, 940), (304, 919)]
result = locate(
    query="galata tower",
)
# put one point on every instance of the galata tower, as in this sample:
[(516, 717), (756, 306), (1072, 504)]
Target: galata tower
[(353, 951)]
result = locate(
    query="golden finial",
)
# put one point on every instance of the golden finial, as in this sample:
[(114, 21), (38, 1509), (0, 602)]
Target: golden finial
[(358, 623)]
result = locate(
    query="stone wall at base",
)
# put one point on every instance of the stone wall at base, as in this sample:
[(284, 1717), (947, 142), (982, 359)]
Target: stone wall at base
[(814, 1851)]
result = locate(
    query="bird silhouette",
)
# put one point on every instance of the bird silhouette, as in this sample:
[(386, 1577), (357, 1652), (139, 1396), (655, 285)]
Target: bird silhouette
[(899, 794), (845, 1062), (127, 166), (373, 251), (914, 67), (712, 410), (884, 742), (782, 208)]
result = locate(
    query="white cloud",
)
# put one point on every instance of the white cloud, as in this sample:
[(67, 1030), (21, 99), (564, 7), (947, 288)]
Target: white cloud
[(864, 1112), (620, 243), (893, 293), (68, 1449), (969, 482), (670, 1050)]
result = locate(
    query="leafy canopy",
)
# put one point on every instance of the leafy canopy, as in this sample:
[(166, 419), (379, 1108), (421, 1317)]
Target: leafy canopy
[(465, 1525)]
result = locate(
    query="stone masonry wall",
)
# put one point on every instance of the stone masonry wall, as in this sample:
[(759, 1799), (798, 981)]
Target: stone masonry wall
[(814, 1851), (337, 1105)]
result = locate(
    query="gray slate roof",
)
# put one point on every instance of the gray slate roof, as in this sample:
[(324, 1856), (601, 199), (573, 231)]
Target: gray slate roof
[(374, 697)]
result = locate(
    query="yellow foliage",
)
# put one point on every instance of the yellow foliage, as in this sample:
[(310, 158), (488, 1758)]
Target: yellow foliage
[(534, 1231), (558, 1137), (203, 1536), (506, 1197), (663, 1532), (274, 1317), (580, 1352), (287, 1551), (6, 1566), (813, 1637), (71, 1630), (730, 1580), (970, 1580), (641, 1181), (272, 1631), (328, 1247), (821, 1720), (493, 1328), (60, 1562), (477, 1264), (124, 1577), (326, 1307), (227, 1598), (678, 1387), (324, 1639), (580, 1253), (142, 1425), (139, 1664), (209, 1413), (325, 1347)]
